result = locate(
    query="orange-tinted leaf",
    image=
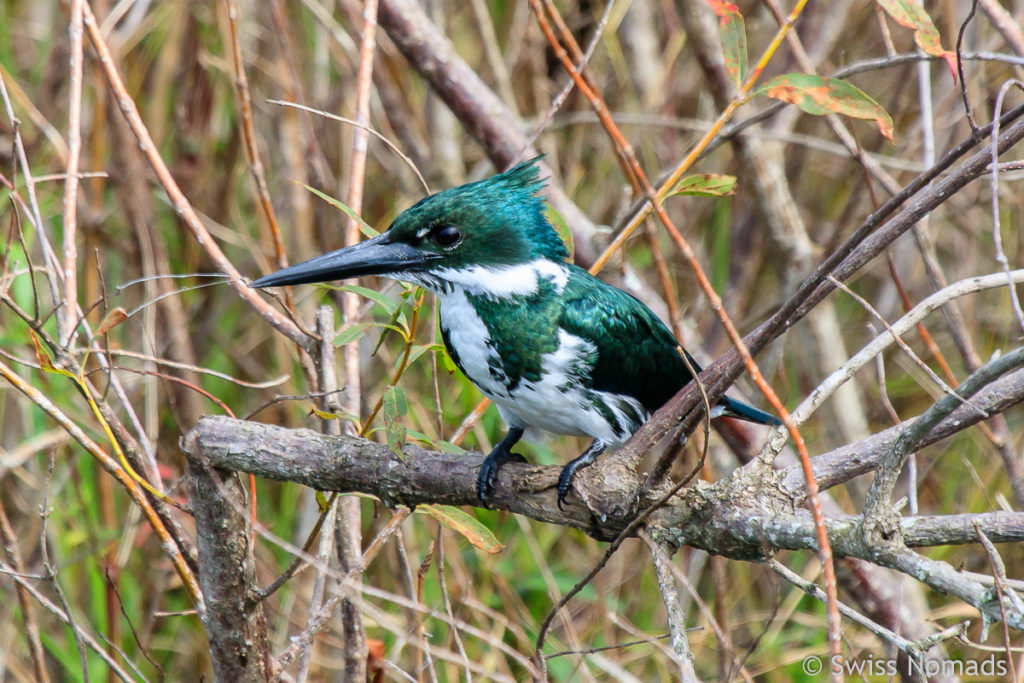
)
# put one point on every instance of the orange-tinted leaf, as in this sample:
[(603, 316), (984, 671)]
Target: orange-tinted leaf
[(912, 15), (465, 524), (706, 185), (721, 8), (45, 362), (42, 355), (734, 39), (820, 95), (112, 320), (375, 660)]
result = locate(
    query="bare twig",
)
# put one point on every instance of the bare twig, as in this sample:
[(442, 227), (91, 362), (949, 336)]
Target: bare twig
[(28, 615), (676, 618), (877, 503), (70, 300), (994, 185)]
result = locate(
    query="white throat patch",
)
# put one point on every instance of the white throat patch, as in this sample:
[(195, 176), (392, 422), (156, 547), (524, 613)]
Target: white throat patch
[(504, 281)]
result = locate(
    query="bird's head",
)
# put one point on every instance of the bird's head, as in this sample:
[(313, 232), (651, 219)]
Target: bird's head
[(490, 225)]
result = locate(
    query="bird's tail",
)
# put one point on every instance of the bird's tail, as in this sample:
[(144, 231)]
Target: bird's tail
[(738, 409)]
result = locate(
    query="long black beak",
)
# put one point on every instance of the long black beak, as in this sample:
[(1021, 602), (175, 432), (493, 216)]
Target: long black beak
[(375, 256)]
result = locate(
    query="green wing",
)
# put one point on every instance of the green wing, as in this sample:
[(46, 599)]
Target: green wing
[(636, 353)]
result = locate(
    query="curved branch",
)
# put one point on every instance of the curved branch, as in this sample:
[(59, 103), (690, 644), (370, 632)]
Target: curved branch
[(846, 462)]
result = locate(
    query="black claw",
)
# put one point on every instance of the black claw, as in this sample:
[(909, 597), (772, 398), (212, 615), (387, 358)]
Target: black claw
[(565, 483), (489, 472), (569, 471), (493, 462)]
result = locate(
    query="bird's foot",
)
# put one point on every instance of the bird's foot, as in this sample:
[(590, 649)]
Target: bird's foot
[(565, 482), (489, 471), (569, 471)]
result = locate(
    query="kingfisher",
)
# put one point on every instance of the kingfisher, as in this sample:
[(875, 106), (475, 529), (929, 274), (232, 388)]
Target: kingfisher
[(555, 348)]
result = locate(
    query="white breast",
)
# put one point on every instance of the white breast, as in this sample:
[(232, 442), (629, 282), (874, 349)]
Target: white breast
[(472, 343), (559, 402)]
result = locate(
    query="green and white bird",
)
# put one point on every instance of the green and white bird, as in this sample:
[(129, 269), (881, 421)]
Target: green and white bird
[(552, 346)]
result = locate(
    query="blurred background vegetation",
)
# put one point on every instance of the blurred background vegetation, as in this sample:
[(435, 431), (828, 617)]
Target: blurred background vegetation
[(68, 516)]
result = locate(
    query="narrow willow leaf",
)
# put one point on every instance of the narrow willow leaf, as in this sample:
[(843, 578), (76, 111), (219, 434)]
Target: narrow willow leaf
[(45, 362), (912, 15), (364, 227), (443, 446), (463, 523), (705, 185), (340, 415), (389, 305), (351, 333), (820, 95), (734, 39), (417, 351), (393, 409)]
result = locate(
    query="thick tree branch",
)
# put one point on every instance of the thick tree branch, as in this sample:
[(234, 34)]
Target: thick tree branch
[(745, 520), (747, 516), (234, 621)]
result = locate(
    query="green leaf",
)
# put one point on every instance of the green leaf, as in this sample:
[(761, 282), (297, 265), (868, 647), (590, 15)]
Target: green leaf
[(562, 228), (364, 227), (357, 330), (341, 415), (462, 522), (819, 95), (449, 447), (913, 15), (417, 351), (448, 363), (705, 185), (45, 362), (389, 305), (444, 446), (734, 39), (351, 333), (321, 501), (393, 409), (396, 316)]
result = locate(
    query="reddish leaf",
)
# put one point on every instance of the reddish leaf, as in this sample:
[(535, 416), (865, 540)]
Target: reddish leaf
[(912, 15), (374, 660), (734, 39), (112, 320), (820, 95), (722, 8)]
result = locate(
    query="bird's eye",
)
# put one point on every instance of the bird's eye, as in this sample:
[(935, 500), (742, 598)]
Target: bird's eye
[(447, 235)]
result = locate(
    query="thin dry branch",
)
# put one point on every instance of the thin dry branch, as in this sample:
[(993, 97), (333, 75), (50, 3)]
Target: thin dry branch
[(181, 203), (853, 460), (869, 240)]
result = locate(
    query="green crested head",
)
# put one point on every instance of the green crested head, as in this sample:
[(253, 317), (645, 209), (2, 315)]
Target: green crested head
[(493, 222), (488, 225)]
